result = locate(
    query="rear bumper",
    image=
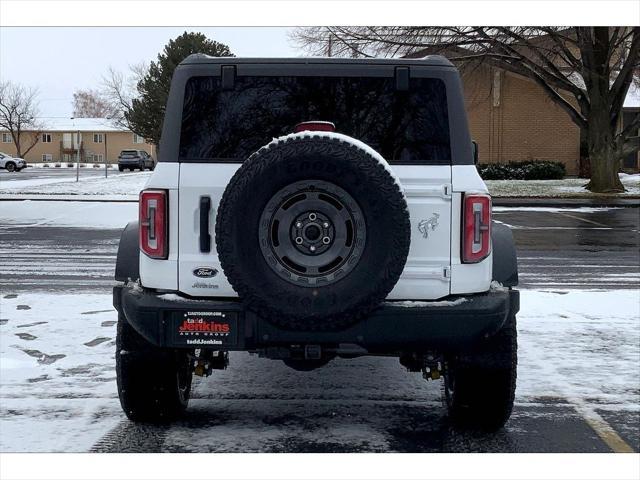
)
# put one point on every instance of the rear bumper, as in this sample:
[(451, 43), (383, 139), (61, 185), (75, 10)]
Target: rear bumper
[(392, 328), (131, 161)]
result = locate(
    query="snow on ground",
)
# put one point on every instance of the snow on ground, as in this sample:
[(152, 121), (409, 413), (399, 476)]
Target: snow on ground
[(57, 379), (580, 345), (568, 187), (69, 214), (118, 184)]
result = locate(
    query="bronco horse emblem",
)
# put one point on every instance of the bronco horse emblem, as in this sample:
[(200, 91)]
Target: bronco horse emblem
[(425, 225)]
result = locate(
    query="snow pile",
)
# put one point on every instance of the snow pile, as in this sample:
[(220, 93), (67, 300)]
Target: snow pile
[(568, 187), (69, 214), (90, 165), (119, 184), (421, 304), (57, 378)]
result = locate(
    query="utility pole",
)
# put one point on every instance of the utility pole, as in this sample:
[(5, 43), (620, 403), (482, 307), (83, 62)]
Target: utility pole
[(106, 162), (78, 156)]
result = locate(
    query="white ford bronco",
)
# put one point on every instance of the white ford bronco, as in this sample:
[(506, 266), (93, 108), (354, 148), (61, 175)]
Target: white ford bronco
[(308, 209)]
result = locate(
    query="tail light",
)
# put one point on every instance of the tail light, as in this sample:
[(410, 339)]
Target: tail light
[(315, 125), (476, 234), (154, 241)]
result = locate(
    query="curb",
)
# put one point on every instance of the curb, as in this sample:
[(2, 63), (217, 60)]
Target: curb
[(566, 202)]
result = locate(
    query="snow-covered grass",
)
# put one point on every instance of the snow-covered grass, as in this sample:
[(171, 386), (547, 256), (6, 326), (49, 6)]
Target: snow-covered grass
[(567, 188), (128, 184), (69, 214), (57, 379)]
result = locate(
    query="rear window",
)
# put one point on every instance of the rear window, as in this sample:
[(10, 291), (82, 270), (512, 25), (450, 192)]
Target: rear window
[(129, 153), (227, 125)]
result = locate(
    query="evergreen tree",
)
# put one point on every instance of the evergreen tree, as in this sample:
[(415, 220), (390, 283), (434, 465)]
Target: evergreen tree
[(147, 110)]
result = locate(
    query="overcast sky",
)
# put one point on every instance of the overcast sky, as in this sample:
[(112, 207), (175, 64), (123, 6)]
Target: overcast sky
[(59, 60)]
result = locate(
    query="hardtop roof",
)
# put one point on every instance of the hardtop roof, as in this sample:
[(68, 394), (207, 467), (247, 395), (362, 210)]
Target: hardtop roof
[(428, 61)]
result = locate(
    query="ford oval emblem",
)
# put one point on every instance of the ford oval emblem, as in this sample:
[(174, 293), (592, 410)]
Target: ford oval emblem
[(205, 272)]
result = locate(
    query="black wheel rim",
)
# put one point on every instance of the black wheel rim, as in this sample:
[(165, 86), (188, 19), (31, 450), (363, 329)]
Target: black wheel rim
[(312, 233)]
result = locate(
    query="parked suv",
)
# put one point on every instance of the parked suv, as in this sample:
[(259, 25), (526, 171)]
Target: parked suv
[(132, 159), (308, 209), (10, 163)]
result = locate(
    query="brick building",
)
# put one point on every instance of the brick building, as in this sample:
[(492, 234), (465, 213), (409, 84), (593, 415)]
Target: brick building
[(512, 119), (60, 140)]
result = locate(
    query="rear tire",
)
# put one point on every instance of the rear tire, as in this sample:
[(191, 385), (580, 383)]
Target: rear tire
[(154, 384), (480, 385), (121, 168)]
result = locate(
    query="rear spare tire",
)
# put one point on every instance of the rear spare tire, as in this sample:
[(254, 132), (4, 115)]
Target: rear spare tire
[(313, 231)]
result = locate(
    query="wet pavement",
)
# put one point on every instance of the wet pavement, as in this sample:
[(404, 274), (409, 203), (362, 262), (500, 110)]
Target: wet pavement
[(575, 248), (563, 248), (365, 404)]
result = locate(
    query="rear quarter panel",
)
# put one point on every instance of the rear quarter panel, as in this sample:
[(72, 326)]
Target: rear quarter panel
[(163, 274)]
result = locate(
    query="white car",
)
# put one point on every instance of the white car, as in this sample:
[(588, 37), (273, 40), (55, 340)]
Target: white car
[(312, 209), (10, 163)]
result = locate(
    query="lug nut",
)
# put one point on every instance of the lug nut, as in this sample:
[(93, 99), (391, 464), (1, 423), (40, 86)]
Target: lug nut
[(326, 240), (299, 240), (299, 225), (325, 224), (312, 248), (312, 216)]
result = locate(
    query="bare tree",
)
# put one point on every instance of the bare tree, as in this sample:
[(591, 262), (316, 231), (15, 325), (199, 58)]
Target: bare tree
[(19, 110), (586, 71), (119, 89), (92, 104)]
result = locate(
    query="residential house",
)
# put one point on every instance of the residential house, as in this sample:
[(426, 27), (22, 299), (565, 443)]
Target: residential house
[(94, 140)]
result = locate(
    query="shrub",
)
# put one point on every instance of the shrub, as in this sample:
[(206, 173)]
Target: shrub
[(45, 165), (57, 165), (71, 165), (528, 170), (96, 165)]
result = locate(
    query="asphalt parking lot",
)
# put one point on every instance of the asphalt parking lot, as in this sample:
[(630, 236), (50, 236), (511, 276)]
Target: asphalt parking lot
[(360, 405)]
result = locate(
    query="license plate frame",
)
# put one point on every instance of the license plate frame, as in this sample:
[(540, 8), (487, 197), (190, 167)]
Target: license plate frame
[(204, 329)]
